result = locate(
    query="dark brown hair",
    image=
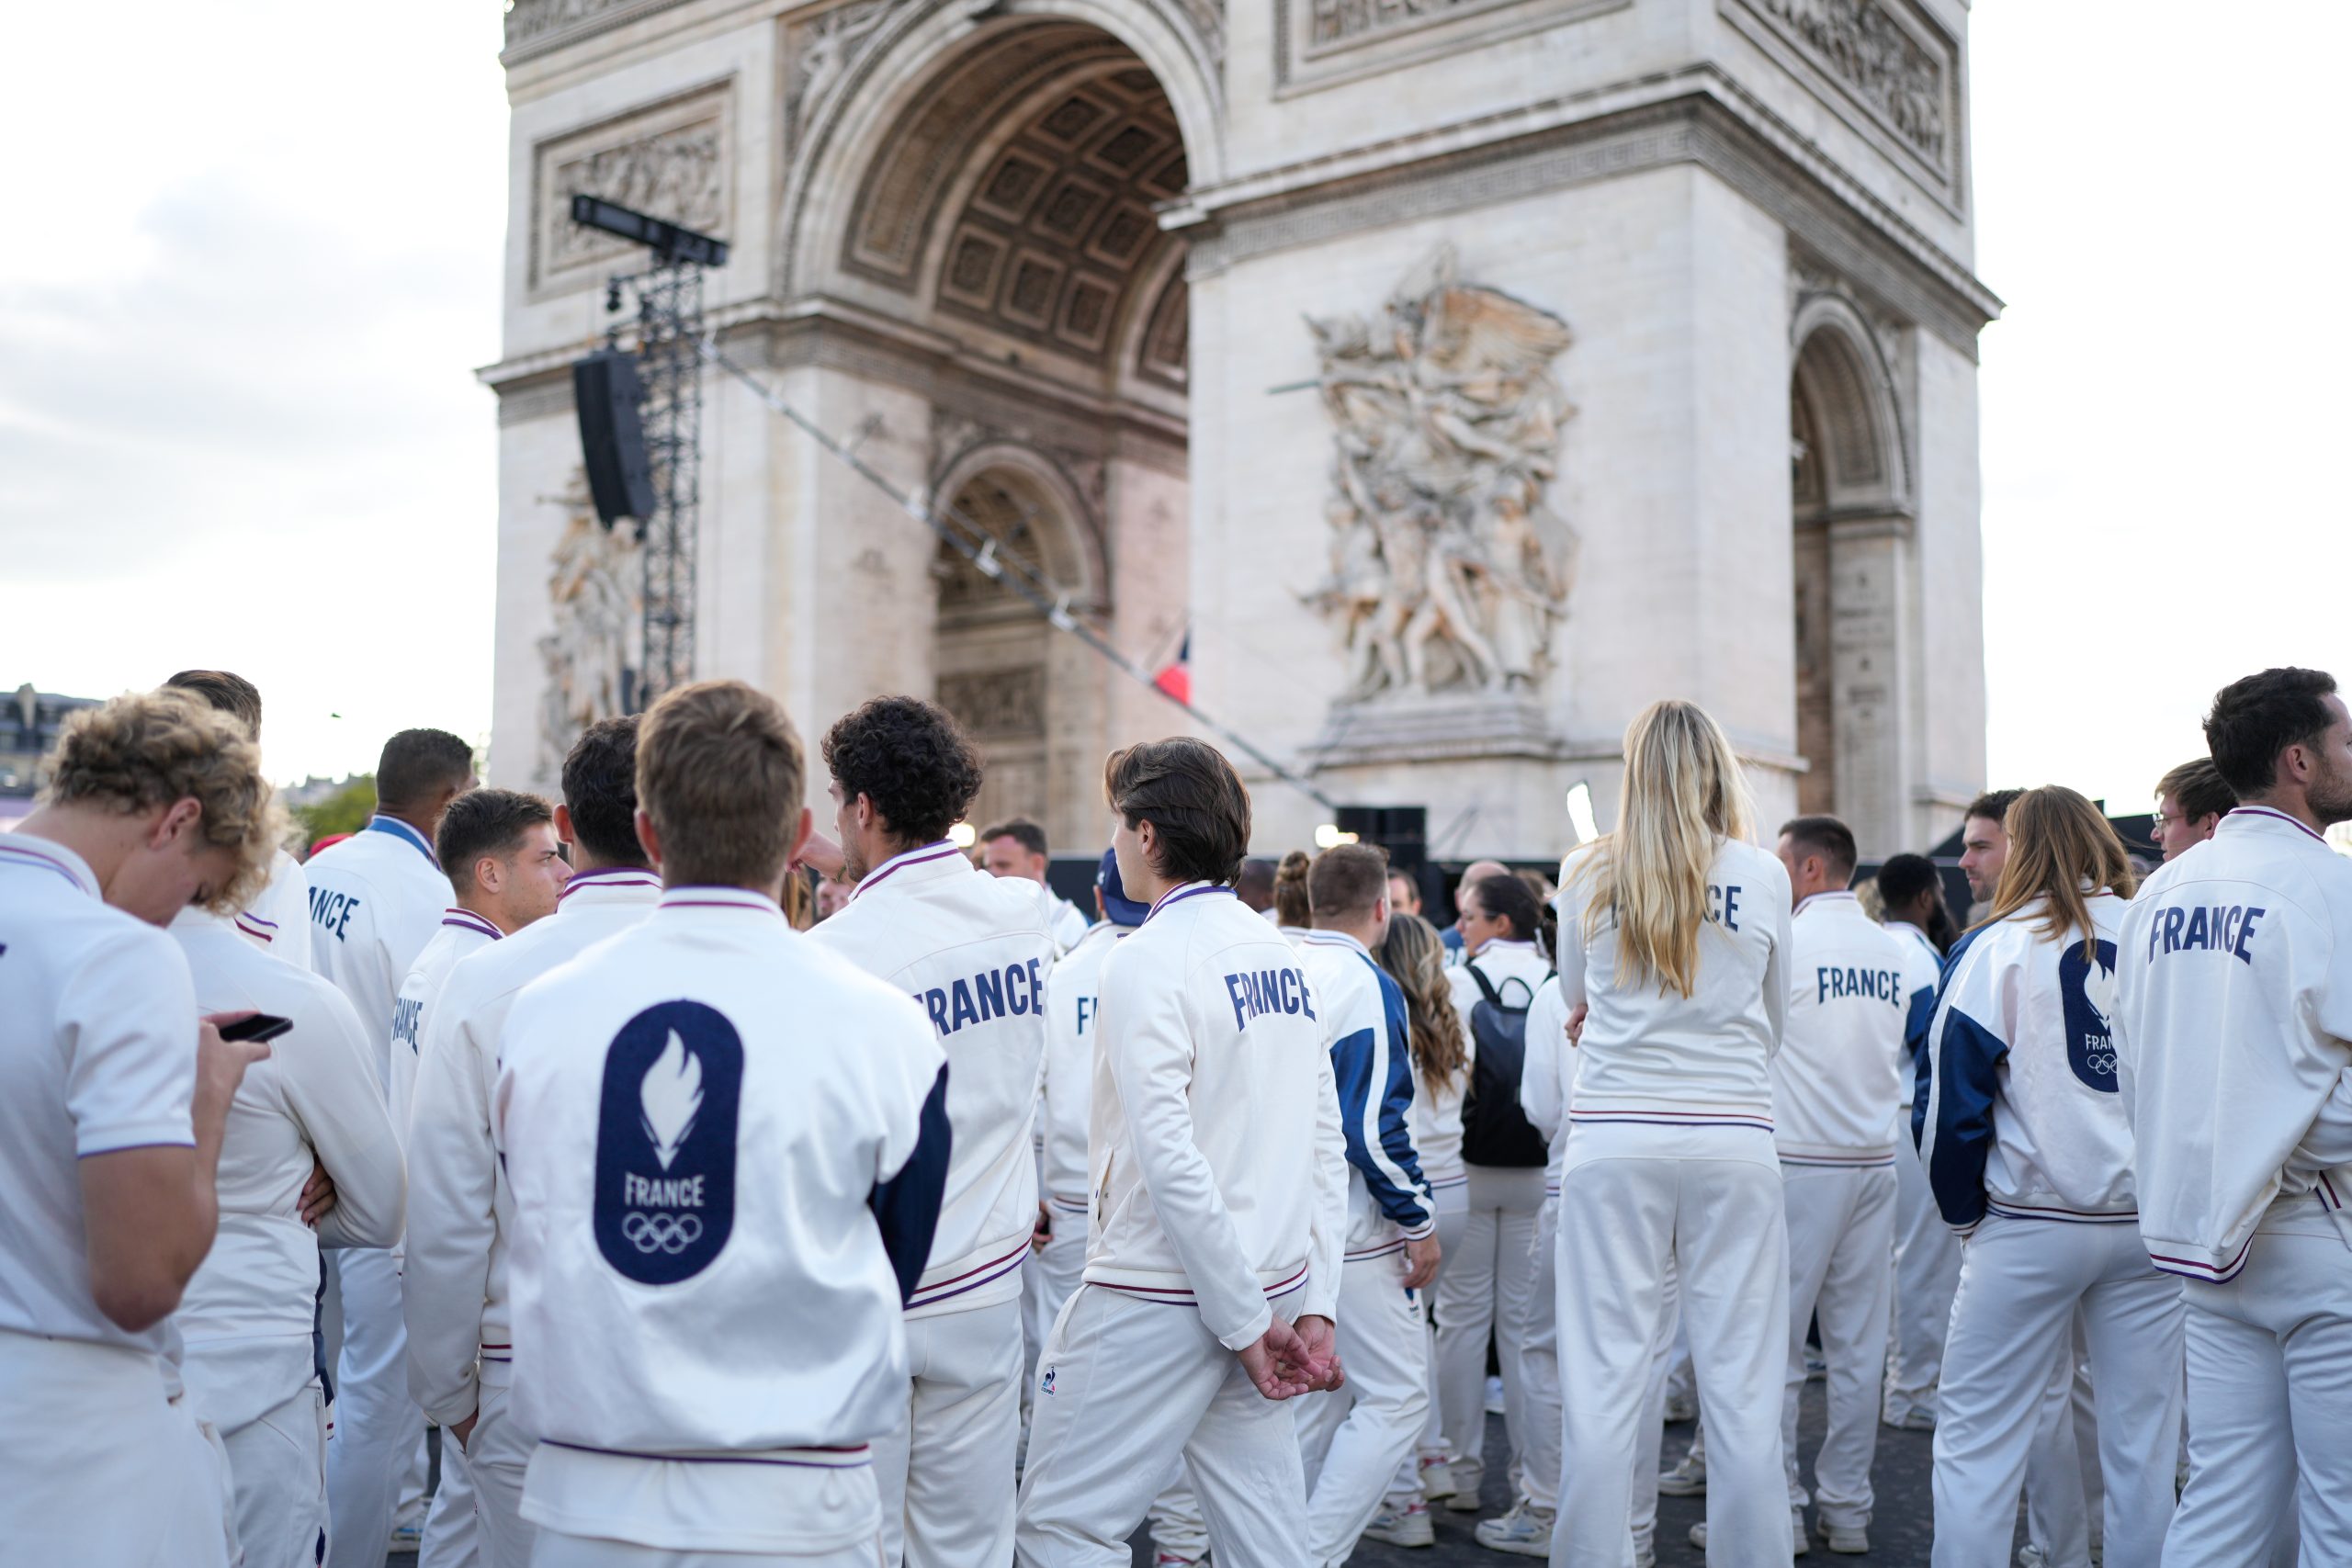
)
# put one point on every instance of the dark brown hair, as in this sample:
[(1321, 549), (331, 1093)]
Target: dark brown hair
[(1829, 839), (1293, 906), (1194, 800), (910, 760), (2197, 789), (485, 822), (232, 694)]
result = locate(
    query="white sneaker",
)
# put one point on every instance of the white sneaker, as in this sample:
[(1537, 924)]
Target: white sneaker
[(1815, 1368), (1403, 1526), (2031, 1556), (1466, 1486), (1687, 1479), (1847, 1541), (405, 1538), (1681, 1408), (1437, 1479), (1908, 1417), (1523, 1530), (1494, 1396), (1798, 1546)]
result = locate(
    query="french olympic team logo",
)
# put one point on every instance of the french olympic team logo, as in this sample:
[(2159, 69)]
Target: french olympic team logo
[(2086, 989), (665, 1142)]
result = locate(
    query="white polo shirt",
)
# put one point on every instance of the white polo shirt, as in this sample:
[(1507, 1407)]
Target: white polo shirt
[(99, 1023)]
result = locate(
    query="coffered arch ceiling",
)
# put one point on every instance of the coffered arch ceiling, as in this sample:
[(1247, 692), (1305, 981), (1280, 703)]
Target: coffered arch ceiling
[(1012, 202)]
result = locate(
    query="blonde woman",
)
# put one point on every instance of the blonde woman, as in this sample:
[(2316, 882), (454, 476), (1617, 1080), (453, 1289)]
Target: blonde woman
[(2029, 1155), (1674, 935), (1414, 956)]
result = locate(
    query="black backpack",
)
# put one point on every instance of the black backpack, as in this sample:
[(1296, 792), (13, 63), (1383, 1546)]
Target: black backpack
[(1495, 1131)]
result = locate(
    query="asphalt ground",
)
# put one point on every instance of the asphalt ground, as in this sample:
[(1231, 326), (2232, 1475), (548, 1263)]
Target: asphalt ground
[(1901, 1526)]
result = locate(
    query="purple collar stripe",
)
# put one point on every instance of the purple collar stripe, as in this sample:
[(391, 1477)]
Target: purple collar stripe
[(1189, 890), (2267, 811), (34, 857), (260, 931), (614, 877), (741, 899), (251, 918), (466, 920), (896, 863), (400, 829)]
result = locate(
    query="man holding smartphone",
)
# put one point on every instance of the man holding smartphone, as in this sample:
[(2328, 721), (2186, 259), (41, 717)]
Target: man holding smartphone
[(114, 1096)]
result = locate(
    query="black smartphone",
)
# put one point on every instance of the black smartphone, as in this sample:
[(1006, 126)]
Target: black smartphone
[(260, 1026)]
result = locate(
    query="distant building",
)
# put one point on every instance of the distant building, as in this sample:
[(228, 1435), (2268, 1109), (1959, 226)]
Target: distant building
[(29, 729)]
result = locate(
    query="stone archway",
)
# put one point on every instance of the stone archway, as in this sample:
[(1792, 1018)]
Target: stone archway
[(1851, 524), (972, 242)]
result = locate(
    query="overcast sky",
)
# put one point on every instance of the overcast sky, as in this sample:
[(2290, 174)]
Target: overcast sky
[(238, 425)]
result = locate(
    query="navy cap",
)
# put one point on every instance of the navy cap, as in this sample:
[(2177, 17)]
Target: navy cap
[(1120, 909)]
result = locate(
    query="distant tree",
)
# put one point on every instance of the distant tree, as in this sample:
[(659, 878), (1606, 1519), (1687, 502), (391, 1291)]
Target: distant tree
[(345, 811)]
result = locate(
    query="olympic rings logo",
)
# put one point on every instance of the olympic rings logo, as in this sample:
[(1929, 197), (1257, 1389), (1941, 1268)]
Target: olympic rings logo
[(661, 1232)]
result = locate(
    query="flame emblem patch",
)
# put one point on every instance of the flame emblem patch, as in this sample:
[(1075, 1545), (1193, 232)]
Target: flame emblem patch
[(666, 1143)]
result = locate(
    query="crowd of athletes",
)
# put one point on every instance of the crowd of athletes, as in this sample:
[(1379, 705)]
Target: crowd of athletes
[(733, 1189)]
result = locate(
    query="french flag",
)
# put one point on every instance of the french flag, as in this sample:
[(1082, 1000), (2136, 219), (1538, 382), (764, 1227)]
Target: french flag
[(1175, 678)]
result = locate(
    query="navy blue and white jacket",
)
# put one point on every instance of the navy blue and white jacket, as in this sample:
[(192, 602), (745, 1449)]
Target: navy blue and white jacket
[(2021, 1116), (1364, 1029)]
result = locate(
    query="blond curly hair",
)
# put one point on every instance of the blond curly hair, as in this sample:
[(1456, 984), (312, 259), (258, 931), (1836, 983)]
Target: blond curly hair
[(150, 749)]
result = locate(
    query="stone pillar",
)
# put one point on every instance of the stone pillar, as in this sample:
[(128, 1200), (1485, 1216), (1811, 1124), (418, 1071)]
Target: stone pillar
[(1868, 639)]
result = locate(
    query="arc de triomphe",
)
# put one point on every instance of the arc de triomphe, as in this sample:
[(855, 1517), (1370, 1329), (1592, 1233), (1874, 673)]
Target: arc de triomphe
[(1457, 375)]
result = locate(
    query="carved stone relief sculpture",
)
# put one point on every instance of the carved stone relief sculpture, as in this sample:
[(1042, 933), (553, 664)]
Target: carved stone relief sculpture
[(671, 161), (593, 590), (1448, 570)]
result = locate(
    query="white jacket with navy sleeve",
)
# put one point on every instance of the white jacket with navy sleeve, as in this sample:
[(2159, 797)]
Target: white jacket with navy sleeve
[(973, 949), (723, 1142), (2234, 1016), (1838, 1082), (1371, 1067), (2022, 1117), (1219, 1175)]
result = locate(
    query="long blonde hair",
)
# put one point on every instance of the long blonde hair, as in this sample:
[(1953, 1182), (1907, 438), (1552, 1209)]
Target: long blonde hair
[(2058, 841), (1684, 795), (1414, 956)]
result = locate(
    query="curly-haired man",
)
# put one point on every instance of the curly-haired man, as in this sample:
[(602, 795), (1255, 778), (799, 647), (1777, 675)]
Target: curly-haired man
[(974, 950)]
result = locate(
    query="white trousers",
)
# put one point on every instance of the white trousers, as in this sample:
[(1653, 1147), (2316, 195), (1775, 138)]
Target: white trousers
[(102, 1462), (2064, 1503), (1450, 1204), (1927, 1272), (1487, 1287), (1842, 1234), (376, 1424), (1631, 1220), (2020, 1282), (945, 1471), (1539, 1371), (1352, 1441), (555, 1549), (1137, 1384), (279, 1462), (452, 1525), (497, 1455), (2269, 1411)]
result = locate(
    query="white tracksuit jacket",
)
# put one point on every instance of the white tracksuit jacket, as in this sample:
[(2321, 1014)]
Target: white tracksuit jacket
[(973, 949), (1073, 1003), (1649, 1056), (376, 900), (1218, 1172), (1548, 1068), (1364, 1028), (461, 935), (247, 1315), (1923, 973), (2235, 1029), (2022, 1114), (279, 917), (710, 1123), (1838, 1082), (461, 1209)]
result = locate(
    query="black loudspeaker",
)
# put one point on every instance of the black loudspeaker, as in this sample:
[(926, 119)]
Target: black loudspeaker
[(606, 390), (1402, 830)]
